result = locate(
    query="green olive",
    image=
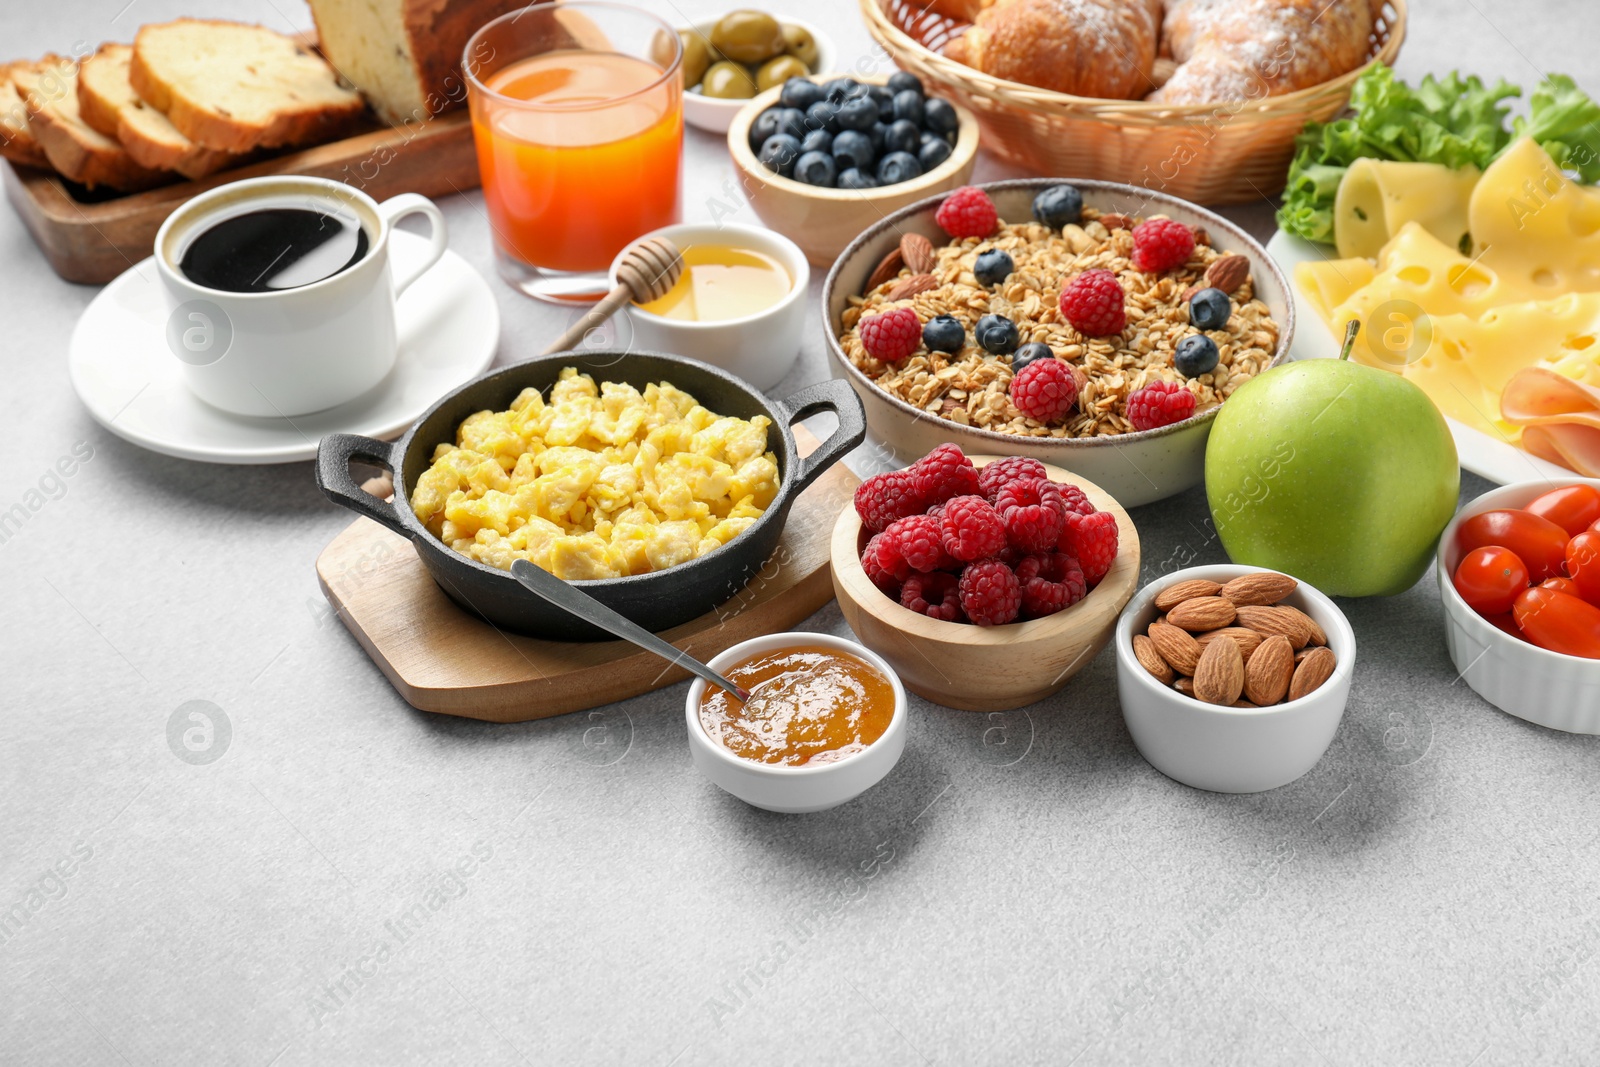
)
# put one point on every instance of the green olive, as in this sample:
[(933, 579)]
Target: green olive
[(799, 43), (748, 36), (779, 70), (696, 57), (728, 81)]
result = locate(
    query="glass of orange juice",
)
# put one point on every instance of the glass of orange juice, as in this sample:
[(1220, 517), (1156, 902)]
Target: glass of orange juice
[(577, 114)]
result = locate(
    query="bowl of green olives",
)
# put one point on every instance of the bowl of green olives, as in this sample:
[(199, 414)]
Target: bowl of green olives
[(730, 60)]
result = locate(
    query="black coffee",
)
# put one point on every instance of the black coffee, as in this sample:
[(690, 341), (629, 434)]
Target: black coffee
[(273, 249)]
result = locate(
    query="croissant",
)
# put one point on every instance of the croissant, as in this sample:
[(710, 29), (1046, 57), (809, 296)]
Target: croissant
[(1099, 48)]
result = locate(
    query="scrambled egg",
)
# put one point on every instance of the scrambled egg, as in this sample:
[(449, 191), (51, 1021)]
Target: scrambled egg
[(598, 482)]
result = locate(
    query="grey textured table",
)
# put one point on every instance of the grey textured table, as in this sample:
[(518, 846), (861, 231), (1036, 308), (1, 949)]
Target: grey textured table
[(357, 882)]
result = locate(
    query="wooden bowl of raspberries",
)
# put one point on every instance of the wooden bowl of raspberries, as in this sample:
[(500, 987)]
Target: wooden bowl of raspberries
[(987, 582)]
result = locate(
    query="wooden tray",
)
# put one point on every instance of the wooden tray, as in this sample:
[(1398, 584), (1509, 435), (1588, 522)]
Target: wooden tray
[(92, 239), (441, 659)]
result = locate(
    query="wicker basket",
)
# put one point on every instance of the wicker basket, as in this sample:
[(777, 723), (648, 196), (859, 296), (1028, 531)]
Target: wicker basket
[(1208, 153)]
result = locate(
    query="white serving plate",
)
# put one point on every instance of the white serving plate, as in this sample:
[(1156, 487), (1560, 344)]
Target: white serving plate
[(1491, 457)]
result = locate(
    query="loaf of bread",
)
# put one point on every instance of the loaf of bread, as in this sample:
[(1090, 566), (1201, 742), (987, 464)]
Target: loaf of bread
[(1102, 48), (17, 142), (234, 87), (74, 148), (109, 105), (404, 55), (1248, 49)]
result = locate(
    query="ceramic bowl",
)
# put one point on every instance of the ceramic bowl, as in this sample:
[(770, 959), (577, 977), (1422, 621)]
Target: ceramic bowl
[(759, 348), (796, 789), (984, 668), (824, 221), (715, 115), (1136, 468), (1231, 750), (1521, 679)]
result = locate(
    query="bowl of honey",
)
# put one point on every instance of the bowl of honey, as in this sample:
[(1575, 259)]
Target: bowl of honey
[(739, 305), (825, 722)]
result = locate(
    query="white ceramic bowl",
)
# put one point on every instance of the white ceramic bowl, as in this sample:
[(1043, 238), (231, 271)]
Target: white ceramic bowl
[(1231, 750), (796, 789), (759, 348), (713, 114), (1520, 678)]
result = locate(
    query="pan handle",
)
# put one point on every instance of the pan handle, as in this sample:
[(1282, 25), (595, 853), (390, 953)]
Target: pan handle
[(334, 456), (833, 395)]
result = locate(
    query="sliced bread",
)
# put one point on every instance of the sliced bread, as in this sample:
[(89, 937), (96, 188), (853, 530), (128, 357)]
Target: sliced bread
[(235, 87), (73, 147), (17, 142), (109, 104)]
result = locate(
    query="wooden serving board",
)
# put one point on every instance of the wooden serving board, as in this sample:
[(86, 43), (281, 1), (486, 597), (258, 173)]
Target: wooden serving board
[(441, 659)]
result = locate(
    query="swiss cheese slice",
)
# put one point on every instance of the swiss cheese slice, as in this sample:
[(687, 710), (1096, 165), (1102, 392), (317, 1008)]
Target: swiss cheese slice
[(1378, 197), (1534, 224)]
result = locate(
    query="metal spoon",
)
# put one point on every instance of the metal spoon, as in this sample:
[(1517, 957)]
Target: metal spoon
[(572, 599)]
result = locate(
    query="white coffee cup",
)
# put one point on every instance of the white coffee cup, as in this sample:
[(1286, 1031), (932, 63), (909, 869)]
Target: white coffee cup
[(289, 351)]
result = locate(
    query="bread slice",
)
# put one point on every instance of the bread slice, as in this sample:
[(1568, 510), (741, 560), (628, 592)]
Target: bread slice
[(109, 105), (75, 149), (234, 87), (17, 142)]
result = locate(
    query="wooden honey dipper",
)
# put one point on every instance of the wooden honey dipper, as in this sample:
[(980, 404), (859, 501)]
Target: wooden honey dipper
[(648, 270)]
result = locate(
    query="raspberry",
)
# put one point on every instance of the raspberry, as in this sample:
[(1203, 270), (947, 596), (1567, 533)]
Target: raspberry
[(945, 473), (1093, 302), (1050, 581), (1092, 541), (1161, 244), (1160, 404), (1033, 512), (936, 595), (1044, 390), (968, 212), (1073, 499), (916, 539), (972, 529), (884, 569), (995, 475), (990, 593), (891, 336), (883, 498)]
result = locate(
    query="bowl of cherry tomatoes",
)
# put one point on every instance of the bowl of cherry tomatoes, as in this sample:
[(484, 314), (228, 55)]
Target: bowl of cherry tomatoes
[(1519, 574)]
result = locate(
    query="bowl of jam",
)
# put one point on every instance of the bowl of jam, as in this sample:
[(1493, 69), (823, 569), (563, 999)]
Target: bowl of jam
[(825, 722)]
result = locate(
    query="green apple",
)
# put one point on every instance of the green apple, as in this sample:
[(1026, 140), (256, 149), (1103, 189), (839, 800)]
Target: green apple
[(1338, 474)]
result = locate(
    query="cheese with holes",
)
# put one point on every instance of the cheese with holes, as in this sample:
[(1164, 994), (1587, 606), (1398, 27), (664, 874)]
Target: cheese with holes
[(1377, 197)]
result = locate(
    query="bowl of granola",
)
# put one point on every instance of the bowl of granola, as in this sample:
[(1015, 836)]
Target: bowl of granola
[(1091, 325)]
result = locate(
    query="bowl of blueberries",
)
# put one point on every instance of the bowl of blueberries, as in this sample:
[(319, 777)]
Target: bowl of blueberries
[(822, 158)]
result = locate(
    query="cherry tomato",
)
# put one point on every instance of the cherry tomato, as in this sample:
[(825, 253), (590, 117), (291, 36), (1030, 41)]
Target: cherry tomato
[(1559, 622), (1562, 585), (1572, 508), (1506, 622), (1539, 543), (1491, 579), (1583, 563)]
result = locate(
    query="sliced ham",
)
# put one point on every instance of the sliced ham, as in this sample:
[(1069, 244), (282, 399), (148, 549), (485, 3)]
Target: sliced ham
[(1559, 417)]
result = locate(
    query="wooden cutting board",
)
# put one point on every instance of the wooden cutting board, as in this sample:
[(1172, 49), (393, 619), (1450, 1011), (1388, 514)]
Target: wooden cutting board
[(441, 659)]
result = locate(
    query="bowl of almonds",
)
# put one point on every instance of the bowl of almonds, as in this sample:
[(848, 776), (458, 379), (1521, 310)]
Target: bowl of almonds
[(1233, 678)]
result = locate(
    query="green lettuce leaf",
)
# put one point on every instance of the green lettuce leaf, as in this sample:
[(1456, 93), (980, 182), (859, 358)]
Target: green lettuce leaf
[(1566, 123)]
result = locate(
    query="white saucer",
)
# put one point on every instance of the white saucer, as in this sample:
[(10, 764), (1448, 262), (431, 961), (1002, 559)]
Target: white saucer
[(125, 375)]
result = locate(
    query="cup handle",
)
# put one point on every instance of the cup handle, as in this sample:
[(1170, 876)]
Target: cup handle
[(833, 395), (398, 207)]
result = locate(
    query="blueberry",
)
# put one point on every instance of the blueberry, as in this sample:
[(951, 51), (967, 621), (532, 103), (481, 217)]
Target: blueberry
[(1058, 206), (858, 113), (932, 153), (944, 333), (993, 266), (816, 168), (940, 116), (779, 153), (817, 141), (903, 81), (908, 106), (902, 136), (897, 167), (996, 334), (1196, 355), (856, 179), (883, 96), (852, 148), (879, 133), (1209, 309), (1028, 353), (800, 93), (836, 90), (792, 121), (765, 125), (822, 116)]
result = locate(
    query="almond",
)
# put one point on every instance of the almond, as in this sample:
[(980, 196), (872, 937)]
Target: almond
[(1247, 640), (1315, 669), (1264, 588), (1116, 221), (1184, 686), (888, 267), (1269, 621), (918, 253), (906, 288), (1144, 650), (1303, 653), (1318, 637), (1201, 237), (1202, 613), (1188, 293), (1267, 675), (1244, 704), (1219, 677), (1228, 272), (1173, 595), (1175, 646)]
